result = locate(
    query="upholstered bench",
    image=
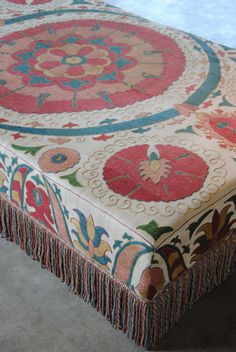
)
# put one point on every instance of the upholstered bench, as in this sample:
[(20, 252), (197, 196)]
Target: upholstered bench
[(118, 157)]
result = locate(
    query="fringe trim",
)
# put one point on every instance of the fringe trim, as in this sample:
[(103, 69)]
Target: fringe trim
[(143, 321)]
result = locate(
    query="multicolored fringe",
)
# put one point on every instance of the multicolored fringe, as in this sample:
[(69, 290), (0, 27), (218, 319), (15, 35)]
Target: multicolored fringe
[(143, 321)]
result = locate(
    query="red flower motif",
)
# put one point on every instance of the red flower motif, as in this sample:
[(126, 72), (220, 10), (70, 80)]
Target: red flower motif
[(219, 125), (118, 63), (73, 61), (159, 173), (37, 199)]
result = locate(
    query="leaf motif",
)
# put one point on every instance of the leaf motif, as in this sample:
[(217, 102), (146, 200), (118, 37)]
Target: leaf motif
[(41, 99), (192, 227), (153, 229), (232, 199), (225, 102), (104, 95), (188, 129), (117, 244), (127, 237), (71, 178), (28, 150), (182, 156)]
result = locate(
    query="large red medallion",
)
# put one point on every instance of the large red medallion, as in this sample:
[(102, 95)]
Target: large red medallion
[(85, 65), (219, 125), (157, 173)]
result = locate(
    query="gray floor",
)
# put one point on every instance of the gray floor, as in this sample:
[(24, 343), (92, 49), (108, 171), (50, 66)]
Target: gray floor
[(39, 314), (211, 19)]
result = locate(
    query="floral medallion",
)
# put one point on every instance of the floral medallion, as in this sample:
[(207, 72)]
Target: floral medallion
[(219, 125), (58, 159), (156, 173), (85, 65)]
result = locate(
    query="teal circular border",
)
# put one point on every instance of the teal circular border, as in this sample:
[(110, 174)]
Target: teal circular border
[(197, 98)]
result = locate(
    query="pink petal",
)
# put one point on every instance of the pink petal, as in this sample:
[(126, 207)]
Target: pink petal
[(59, 70), (85, 51), (71, 49), (75, 71), (49, 65), (58, 52)]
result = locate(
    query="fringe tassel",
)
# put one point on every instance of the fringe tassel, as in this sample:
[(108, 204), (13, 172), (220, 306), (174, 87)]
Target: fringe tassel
[(143, 321)]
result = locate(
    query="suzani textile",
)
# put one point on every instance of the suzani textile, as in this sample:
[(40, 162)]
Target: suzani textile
[(118, 157)]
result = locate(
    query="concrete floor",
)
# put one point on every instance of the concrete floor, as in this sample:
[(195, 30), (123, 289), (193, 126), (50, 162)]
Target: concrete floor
[(39, 314), (211, 19)]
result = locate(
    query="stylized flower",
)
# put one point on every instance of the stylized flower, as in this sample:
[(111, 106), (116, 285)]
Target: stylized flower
[(214, 231), (58, 159), (155, 168), (73, 61), (185, 109), (158, 173), (37, 199), (89, 239), (51, 67), (152, 280), (219, 125)]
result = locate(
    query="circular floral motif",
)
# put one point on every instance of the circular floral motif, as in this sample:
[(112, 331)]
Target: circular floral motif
[(29, 2), (73, 61), (155, 173), (220, 125), (58, 159), (85, 65)]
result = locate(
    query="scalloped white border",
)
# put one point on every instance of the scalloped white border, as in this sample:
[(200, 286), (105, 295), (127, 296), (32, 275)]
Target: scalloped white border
[(93, 172)]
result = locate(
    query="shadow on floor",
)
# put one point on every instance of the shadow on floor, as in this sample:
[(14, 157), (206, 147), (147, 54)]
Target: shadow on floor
[(209, 326)]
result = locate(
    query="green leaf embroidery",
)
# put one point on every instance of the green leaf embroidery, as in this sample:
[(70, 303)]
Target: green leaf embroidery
[(188, 129), (182, 156), (71, 178), (41, 99), (117, 244), (28, 150), (153, 229), (127, 237), (104, 95), (225, 102)]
